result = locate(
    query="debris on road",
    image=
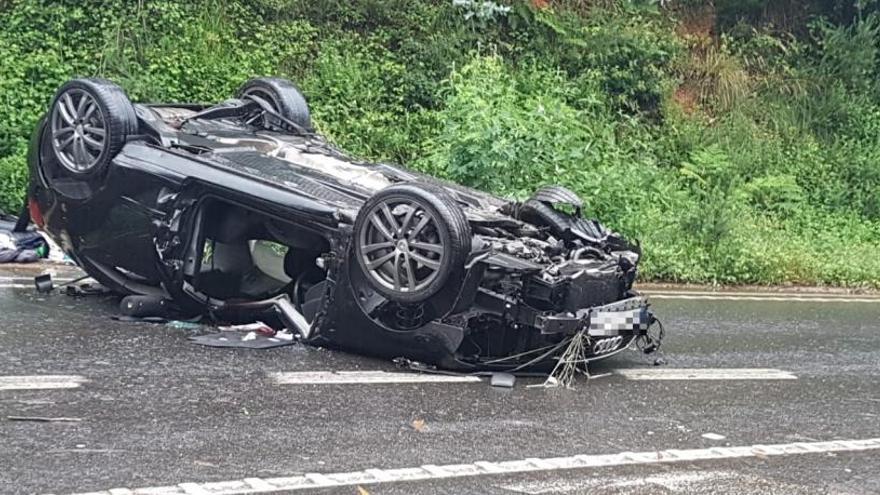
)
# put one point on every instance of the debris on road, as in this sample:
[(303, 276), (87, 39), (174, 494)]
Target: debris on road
[(502, 380), (713, 436), (183, 325), (44, 284), (136, 306), (550, 382), (255, 327), (85, 289), (248, 340), (418, 425)]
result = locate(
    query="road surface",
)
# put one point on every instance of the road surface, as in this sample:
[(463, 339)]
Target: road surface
[(757, 396)]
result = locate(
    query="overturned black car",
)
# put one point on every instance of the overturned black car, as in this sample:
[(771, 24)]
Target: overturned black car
[(240, 207)]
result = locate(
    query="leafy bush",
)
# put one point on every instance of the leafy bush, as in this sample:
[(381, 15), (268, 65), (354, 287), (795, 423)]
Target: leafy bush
[(736, 140), (14, 175), (509, 132), (357, 99)]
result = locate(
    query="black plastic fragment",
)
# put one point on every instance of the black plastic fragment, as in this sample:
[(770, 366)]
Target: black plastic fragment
[(43, 283), (144, 306)]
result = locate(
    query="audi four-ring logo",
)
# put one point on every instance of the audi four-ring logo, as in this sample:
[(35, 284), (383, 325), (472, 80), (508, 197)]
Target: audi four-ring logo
[(607, 345)]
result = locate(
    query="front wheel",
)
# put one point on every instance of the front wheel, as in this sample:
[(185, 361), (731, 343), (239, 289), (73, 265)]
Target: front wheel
[(411, 240), (282, 96)]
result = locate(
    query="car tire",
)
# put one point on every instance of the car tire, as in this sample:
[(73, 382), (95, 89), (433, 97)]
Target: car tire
[(410, 241), (89, 122), (282, 96)]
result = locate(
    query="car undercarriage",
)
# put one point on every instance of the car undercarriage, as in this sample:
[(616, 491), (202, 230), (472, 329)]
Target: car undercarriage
[(241, 209)]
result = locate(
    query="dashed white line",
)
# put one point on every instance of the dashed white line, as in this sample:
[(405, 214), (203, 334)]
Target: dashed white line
[(40, 382), (313, 481), (363, 377), (704, 374)]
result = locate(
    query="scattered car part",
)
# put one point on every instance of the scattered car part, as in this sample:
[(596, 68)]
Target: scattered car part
[(85, 289), (43, 282), (241, 340), (257, 326), (145, 306), (502, 380)]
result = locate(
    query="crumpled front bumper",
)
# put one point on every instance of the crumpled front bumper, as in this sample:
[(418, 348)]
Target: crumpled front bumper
[(627, 317)]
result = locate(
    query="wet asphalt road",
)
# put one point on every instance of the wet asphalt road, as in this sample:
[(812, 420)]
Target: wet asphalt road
[(158, 410)]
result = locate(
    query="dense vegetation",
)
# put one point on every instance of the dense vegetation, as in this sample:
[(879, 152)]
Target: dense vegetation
[(738, 140)]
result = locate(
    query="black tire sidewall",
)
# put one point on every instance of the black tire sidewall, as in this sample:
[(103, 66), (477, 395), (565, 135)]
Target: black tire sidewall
[(290, 100)]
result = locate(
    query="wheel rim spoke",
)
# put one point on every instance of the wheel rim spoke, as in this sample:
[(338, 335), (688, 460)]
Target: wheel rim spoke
[(95, 131), (89, 111), (410, 273), (369, 248), (69, 106), (65, 115), (419, 227), (399, 245), (408, 218), (376, 263), (390, 217), (425, 261), (396, 271), (74, 155), (377, 222), (64, 144), (82, 103), (425, 246), (95, 145), (81, 153), (57, 133)]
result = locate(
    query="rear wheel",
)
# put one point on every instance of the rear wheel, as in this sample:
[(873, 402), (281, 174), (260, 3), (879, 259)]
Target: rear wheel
[(89, 122)]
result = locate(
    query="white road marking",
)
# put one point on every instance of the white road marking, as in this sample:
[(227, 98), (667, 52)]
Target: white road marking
[(704, 292), (363, 377), (704, 374), (40, 382), (313, 481), (672, 482), (758, 297)]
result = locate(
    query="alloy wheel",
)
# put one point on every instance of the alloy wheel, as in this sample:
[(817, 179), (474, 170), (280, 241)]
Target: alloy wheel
[(79, 131), (400, 245)]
